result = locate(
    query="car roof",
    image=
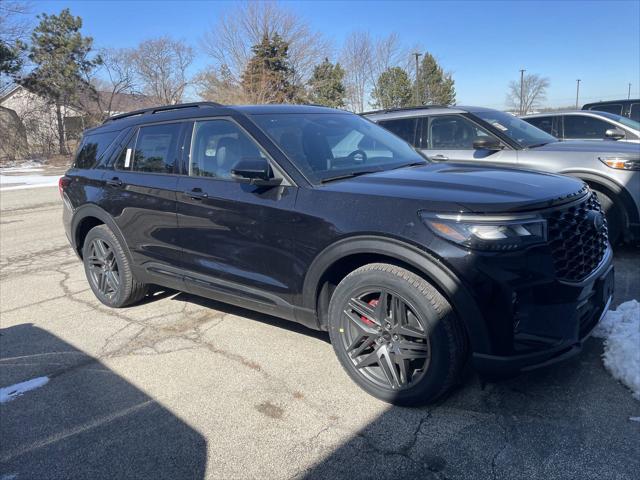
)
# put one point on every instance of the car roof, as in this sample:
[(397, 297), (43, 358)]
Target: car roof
[(422, 111), (563, 112), (203, 109)]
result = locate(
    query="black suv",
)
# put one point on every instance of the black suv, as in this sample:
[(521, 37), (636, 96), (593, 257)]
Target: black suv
[(322, 217)]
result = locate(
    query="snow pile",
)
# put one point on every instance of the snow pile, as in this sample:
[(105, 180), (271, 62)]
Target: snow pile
[(9, 393), (620, 329), (19, 182)]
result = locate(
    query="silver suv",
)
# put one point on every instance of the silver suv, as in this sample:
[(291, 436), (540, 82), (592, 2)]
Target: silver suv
[(483, 135)]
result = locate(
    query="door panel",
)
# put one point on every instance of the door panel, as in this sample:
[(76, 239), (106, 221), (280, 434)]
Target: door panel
[(451, 137), (234, 235), (142, 200)]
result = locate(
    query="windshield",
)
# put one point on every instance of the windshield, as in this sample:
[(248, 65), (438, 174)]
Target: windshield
[(330, 145), (525, 134), (620, 119)]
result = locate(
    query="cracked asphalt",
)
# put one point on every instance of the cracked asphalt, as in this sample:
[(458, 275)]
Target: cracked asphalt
[(183, 387)]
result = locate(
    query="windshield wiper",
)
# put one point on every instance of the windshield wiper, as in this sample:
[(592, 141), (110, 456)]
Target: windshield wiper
[(347, 175)]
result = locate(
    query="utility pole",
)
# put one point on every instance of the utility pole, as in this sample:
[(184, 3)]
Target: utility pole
[(522, 112), (417, 99), (577, 92), (629, 94)]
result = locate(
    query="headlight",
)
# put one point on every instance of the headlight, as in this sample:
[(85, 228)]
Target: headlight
[(621, 163), (486, 232)]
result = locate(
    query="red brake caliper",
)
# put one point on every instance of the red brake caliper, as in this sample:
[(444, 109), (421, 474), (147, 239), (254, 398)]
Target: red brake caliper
[(373, 303)]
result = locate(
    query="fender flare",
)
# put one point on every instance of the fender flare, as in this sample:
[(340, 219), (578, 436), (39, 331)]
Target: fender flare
[(93, 210), (618, 190), (428, 265)]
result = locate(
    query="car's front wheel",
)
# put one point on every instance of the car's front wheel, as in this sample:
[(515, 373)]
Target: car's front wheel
[(108, 269), (396, 335)]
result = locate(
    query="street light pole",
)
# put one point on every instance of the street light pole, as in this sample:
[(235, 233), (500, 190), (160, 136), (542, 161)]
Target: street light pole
[(577, 91), (417, 93), (629, 93), (522, 112)]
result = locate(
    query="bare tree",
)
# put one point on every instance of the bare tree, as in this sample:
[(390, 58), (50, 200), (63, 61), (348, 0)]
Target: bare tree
[(229, 43), (357, 58), (220, 86), (161, 66), (533, 90), (15, 28)]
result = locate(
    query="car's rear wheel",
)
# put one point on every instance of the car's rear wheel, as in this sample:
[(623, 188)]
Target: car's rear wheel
[(396, 335), (108, 269), (615, 217)]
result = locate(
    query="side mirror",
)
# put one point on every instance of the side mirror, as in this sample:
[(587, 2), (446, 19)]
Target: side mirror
[(255, 171), (486, 143), (614, 133)]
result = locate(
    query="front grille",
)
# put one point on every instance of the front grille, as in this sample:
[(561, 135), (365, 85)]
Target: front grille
[(577, 244)]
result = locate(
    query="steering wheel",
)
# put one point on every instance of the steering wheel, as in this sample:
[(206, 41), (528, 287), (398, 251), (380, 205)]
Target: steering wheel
[(358, 156)]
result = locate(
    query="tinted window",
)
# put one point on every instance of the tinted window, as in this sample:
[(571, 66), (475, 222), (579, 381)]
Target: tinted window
[(155, 150), (92, 147), (634, 112), (327, 145), (216, 147), (581, 126), (405, 128), (543, 123), (608, 107), (125, 157), (452, 132)]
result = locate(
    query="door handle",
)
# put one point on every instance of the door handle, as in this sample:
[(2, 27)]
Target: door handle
[(115, 182), (440, 157), (196, 194)]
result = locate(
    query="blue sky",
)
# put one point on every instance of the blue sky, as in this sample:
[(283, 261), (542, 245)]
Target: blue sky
[(484, 44)]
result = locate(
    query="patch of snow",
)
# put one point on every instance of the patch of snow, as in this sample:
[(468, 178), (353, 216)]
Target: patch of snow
[(634, 419), (620, 329), (19, 182), (9, 393)]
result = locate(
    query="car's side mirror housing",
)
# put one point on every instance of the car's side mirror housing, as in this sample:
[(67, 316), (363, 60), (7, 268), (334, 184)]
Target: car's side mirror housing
[(255, 171), (486, 143), (614, 133)]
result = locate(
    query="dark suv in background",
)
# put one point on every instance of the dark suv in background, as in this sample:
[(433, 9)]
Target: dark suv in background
[(627, 108), (322, 217)]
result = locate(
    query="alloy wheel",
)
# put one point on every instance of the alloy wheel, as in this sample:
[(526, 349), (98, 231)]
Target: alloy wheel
[(103, 268), (385, 339)]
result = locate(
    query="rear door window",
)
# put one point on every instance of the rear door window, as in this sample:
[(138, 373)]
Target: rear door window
[(405, 128), (155, 149), (92, 147), (584, 127), (543, 123)]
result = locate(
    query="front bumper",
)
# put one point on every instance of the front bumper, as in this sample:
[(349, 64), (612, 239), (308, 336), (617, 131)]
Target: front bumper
[(538, 321)]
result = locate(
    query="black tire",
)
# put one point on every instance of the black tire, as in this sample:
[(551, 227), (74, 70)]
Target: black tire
[(615, 217), (105, 262), (426, 347)]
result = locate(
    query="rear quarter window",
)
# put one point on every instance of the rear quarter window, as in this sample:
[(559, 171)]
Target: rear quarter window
[(92, 147)]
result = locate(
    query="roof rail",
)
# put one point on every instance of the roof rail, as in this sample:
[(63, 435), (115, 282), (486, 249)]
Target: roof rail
[(400, 109), (153, 110)]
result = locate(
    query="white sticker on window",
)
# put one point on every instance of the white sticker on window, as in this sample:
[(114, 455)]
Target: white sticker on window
[(127, 159), (499, 126)]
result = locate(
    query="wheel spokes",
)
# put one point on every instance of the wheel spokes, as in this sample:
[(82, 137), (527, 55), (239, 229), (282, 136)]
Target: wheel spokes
[(387, 341)]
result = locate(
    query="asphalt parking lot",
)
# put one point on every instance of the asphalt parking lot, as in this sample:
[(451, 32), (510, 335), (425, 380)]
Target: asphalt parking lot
[(183, 387)]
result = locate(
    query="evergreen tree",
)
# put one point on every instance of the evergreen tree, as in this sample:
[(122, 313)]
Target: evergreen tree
[(10, 61), (435, 87), (326, 85), (393, 89), (60, 54), (268, 76)]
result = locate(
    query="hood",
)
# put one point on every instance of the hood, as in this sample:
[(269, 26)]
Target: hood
[(460, 187), (593, 146)]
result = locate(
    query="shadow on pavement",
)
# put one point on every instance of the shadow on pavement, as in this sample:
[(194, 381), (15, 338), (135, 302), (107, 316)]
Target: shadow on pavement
[(87, 422), (570, 420)]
